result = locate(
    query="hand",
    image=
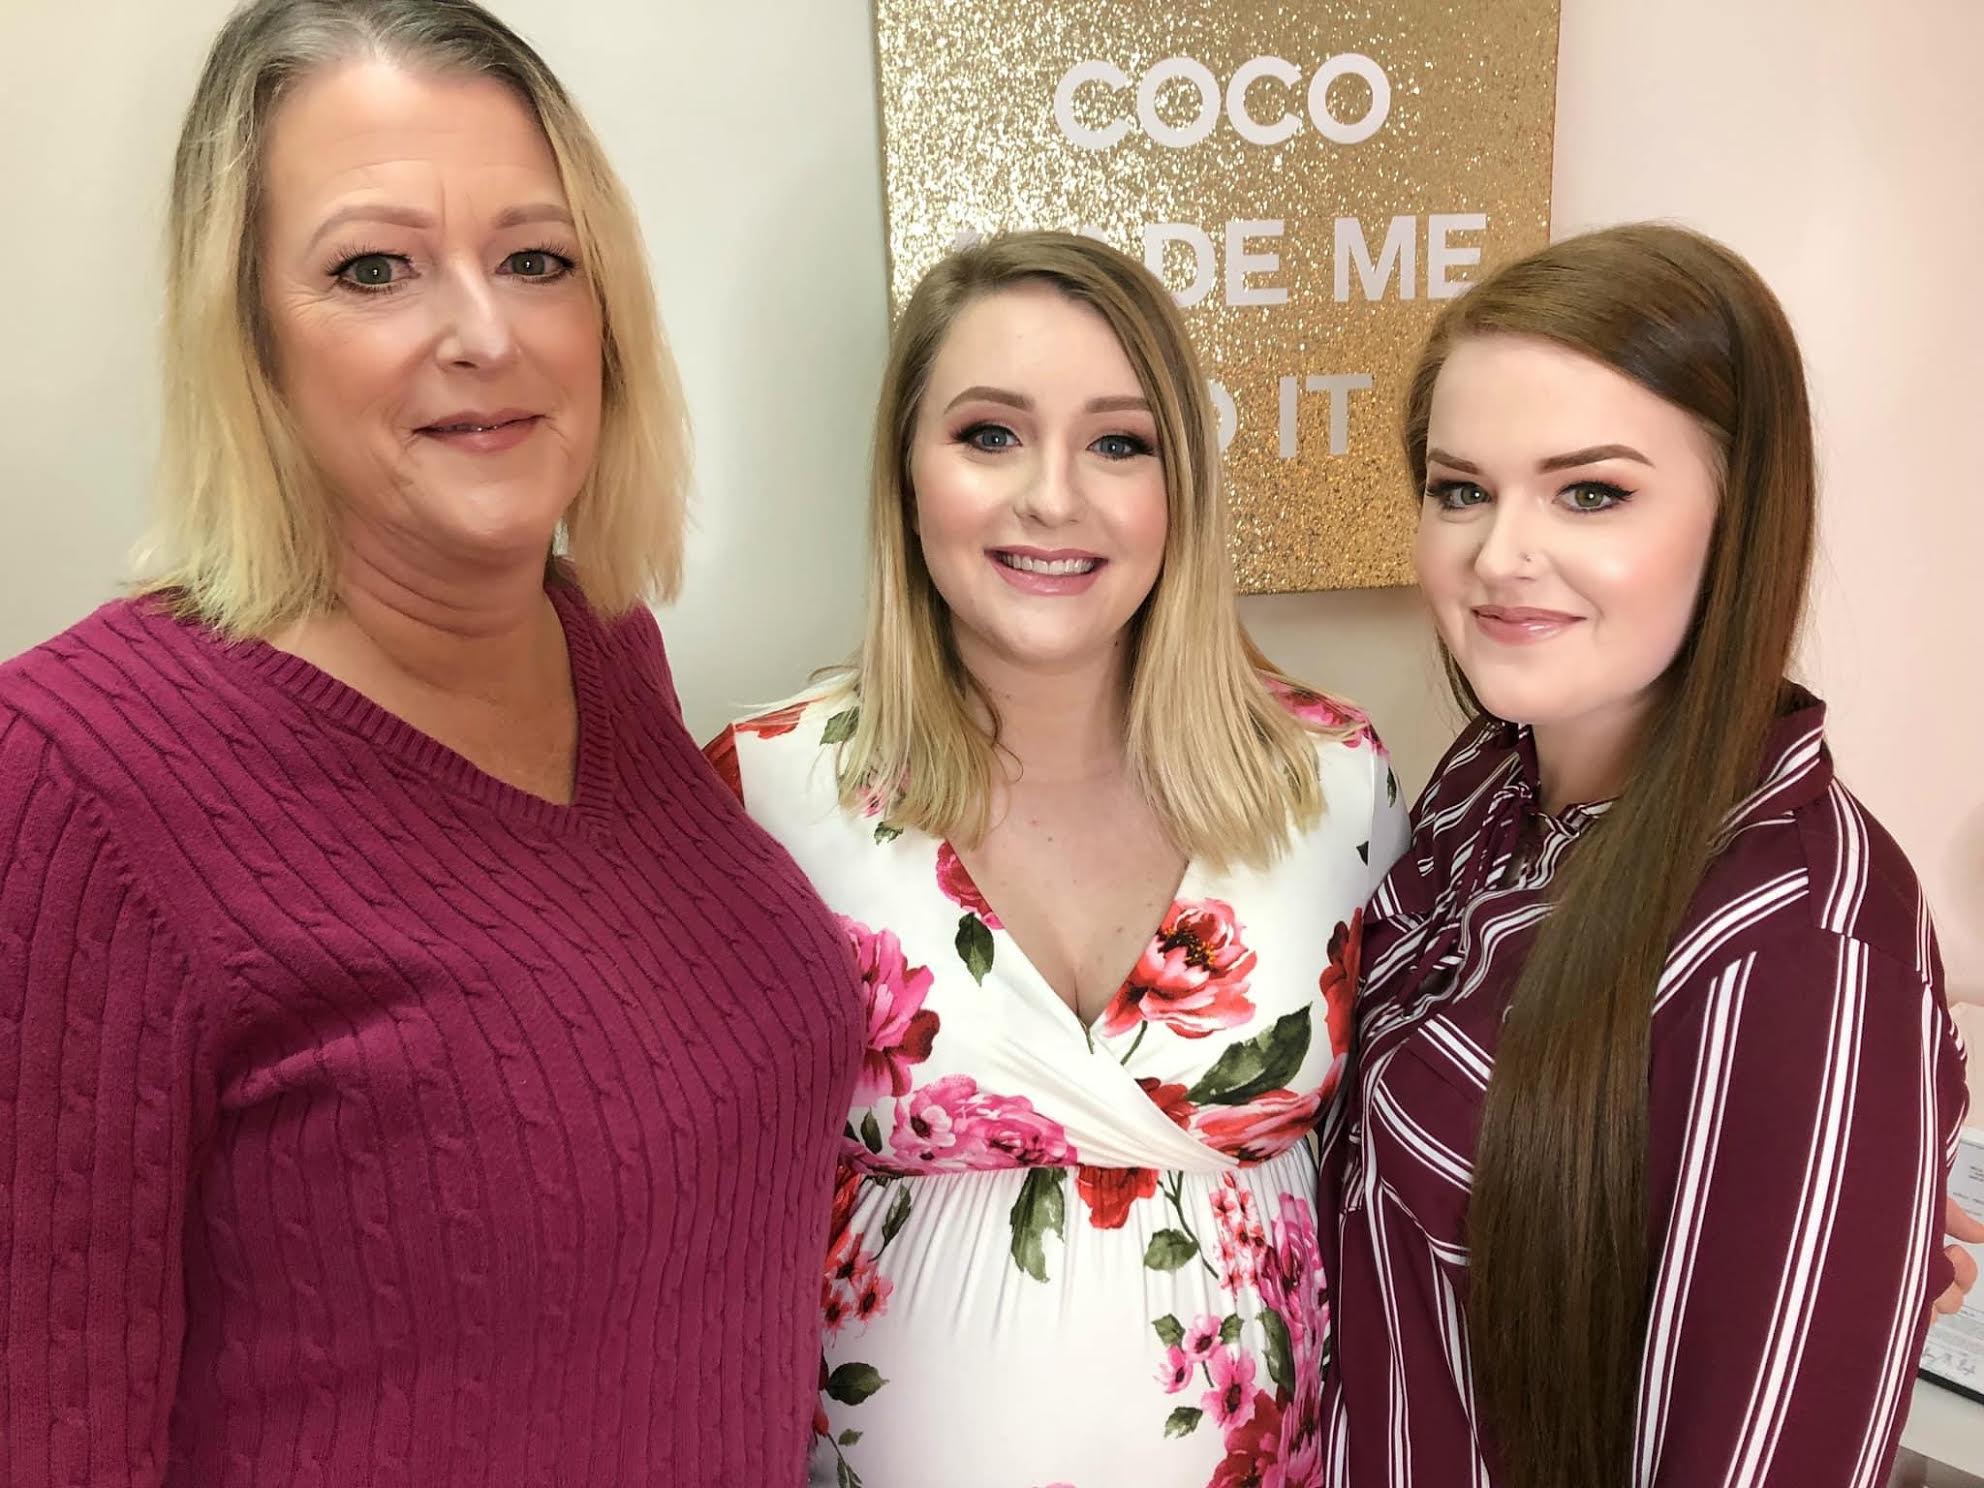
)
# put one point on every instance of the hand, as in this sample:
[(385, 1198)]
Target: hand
[(1962, 1227)]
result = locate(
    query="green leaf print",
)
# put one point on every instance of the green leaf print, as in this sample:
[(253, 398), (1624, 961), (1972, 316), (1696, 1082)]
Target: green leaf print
[(975, 946), (898, 1213), (840, 728), (1183, 1421), (1170, 1332), (853, 1383), (1391, 786), (1281, 1353), (844, 1476), (1041, 1206), (1168, 1250), (884, 832), (1229, 1331), (1255, 1066), (871, 1132), (848, 1438)]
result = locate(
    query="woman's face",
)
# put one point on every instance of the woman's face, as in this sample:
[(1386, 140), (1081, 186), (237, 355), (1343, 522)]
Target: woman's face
[(435, 338), (1039, 494), (1563, 532)]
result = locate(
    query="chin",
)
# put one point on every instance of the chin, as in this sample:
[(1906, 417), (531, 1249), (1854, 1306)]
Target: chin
[(1050, 652), (1511, 700)]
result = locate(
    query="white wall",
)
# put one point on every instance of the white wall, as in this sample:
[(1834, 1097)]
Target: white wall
[(1833, 141)]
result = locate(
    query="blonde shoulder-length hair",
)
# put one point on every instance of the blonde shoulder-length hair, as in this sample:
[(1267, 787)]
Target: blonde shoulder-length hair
[(244, 537), (1229, 770)]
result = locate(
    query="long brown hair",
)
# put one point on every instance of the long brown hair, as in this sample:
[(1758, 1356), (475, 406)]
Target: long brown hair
[(1557, 1225)]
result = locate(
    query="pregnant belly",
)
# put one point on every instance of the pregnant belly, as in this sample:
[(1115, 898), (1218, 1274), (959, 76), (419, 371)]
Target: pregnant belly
[(1024, 1328)]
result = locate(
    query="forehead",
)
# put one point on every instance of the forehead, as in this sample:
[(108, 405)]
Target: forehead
[(1517, 398), (1033, 338), (372, 129)]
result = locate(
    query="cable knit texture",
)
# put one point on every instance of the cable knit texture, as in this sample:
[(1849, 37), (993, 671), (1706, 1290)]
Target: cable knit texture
[(366, 1121)]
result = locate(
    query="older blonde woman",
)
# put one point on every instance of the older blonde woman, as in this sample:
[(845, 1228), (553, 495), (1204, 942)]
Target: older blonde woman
[(1104, 875), (416, 1067)]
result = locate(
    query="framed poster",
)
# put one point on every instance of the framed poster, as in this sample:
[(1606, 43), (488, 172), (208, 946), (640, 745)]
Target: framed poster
[(1311, 181)]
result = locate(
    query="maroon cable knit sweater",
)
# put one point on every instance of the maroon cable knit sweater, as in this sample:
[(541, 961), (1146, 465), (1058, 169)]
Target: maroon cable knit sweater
[(366, 1121)]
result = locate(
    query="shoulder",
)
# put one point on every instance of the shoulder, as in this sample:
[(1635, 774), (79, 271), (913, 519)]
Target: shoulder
[(1818, 880), (1466, 784), (785, 748), (107, 690), (1350, 756), (1321, 712)]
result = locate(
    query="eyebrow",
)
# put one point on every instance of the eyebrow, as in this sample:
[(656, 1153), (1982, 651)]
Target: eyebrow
[(1021, 401), (414, 217), (1570, 460)]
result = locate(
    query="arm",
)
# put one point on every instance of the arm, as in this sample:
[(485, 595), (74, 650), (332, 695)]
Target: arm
[(1801, 1105), (721, 752), (94, 1136), (1391, 831)]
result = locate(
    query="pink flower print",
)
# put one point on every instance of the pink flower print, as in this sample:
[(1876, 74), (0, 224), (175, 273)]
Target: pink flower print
[(1202, 1337), (1026, 1138), (950, 1125), (1251, 1447), (871, 1295), (1339, 988), (1290, 1272), (1230, 1401), (835, 1307), (1236, 1265), (933, 1128), (1226, 1201), (1325, 713), (1176, 1371), (900, 1029), (1297, 1461), (1241, 1238), (1266, 1126), (1191, 978), (959, 889)]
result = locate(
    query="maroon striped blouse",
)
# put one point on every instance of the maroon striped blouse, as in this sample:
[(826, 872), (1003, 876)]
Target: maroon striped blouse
[(1806, 1090)]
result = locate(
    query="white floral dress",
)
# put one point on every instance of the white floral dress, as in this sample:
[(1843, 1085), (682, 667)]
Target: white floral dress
[(1064, 1255)]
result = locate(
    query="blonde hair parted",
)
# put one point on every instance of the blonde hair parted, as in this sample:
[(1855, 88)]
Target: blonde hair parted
[(1229, 770), (244, 537)]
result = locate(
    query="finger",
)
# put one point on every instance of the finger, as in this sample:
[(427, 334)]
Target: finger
[(1962, 1225)]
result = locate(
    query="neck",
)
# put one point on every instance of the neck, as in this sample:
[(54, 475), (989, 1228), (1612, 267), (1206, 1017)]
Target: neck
[(491, 634), (1065, 724), (1588, 759)]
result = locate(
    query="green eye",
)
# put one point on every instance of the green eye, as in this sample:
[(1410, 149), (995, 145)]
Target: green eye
[(1594, 496)]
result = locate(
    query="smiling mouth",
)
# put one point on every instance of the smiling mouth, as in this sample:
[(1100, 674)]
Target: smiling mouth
[(465, 428), (1054, 568)]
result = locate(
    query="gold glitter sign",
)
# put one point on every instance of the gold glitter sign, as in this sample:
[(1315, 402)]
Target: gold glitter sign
[(1312, 181)]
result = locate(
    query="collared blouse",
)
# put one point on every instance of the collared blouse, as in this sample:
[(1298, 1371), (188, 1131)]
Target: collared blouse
[(1805, 1092)]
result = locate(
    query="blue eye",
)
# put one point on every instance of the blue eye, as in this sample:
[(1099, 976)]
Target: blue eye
[(989, 437), (1121, 447)]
